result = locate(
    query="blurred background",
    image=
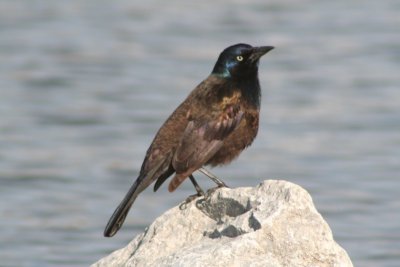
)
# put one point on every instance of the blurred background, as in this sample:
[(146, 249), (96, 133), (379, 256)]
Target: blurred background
[(85, 85)]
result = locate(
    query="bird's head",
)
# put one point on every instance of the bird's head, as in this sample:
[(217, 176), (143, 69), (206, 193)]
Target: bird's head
[(239, 60)]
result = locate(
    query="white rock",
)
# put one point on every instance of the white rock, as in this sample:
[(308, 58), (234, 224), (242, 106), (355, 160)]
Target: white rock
[(273, 224)]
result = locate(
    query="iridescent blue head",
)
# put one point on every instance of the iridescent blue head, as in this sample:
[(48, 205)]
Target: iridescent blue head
[(239, 60)]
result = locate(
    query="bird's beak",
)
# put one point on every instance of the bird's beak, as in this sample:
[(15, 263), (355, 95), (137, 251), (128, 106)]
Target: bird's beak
[(259, 51)]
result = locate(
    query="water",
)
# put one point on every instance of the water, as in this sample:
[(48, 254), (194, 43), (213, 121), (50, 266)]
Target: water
[(86, 84)]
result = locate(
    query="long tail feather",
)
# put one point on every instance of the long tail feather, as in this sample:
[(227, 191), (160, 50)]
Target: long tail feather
[(119, 215)]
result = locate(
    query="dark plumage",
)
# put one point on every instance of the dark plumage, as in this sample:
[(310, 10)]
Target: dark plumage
[(212, 126)]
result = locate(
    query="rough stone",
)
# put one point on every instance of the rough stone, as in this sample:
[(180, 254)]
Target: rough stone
[(273, 224)]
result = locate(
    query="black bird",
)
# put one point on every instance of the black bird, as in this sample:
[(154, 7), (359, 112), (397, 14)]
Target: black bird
[(216, 122)]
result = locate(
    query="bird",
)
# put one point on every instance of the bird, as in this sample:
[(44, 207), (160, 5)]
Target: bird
[(212, 126)]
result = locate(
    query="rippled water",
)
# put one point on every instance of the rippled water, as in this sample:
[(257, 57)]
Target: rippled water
[(86, 84)]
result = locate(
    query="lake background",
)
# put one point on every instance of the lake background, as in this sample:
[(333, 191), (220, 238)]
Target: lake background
[(85, 85)]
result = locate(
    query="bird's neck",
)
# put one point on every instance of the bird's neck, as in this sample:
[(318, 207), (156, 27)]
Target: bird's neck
[(249, 88), (251, 91)]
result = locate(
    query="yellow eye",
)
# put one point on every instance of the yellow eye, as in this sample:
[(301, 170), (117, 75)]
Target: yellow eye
[(239, 58)]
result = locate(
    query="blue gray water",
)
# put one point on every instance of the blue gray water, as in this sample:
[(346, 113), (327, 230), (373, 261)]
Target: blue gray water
[(84, 86)]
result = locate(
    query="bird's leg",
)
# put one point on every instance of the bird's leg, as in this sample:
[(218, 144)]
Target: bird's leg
[(200, 191), (214, 178)]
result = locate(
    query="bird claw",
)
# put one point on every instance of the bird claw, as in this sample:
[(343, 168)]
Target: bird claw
[(213, 189), (221, 185), (189, 199)]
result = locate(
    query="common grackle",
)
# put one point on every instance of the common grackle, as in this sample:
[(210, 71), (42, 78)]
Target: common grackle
[(216, 122)]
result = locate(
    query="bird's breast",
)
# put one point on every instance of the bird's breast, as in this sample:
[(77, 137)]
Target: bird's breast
[(231, 100), (239, 139)]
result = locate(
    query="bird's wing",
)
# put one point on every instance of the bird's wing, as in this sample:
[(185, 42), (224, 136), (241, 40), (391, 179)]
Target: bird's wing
[(200, 141)]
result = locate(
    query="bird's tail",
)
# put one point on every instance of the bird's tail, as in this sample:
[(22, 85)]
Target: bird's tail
[(119, 215)]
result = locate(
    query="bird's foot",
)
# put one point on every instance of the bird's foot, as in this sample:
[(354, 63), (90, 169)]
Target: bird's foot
[(213, 189), (190, 199)]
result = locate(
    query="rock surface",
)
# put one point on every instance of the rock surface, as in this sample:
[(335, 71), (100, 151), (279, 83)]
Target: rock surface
[(273, 224)]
